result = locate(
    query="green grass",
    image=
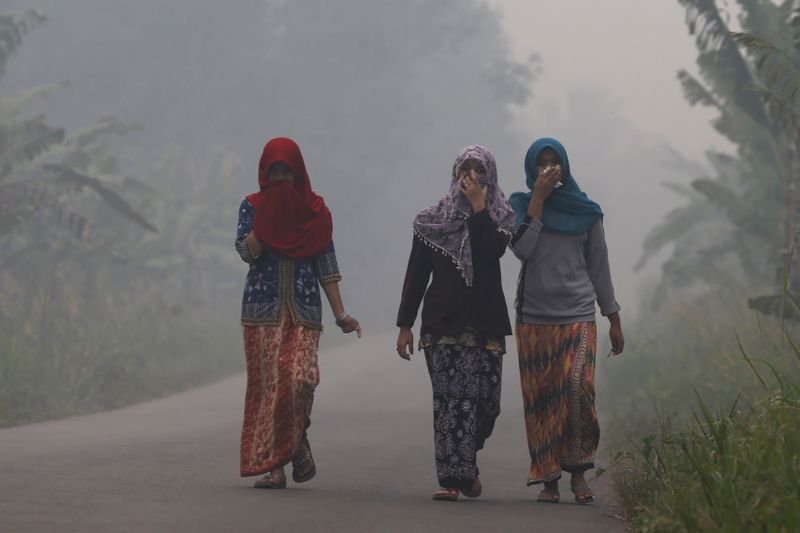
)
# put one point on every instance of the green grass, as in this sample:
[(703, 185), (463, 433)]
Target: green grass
[(106, 358), (735, 468), (686, 346), (66, 367), (737, 471)]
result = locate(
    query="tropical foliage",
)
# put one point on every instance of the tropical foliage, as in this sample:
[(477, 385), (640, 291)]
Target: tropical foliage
[(733, 239), (41, 166), (732, 470), (721, 452), (739, 224), (94, 311), (97, 309)]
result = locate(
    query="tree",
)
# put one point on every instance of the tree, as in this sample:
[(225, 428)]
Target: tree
[(41, 165), (745, 210), (64, 210), (379, 95), (778, 61)]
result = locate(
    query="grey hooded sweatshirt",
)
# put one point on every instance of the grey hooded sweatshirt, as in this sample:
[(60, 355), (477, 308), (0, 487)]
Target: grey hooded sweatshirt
[(562, 276)]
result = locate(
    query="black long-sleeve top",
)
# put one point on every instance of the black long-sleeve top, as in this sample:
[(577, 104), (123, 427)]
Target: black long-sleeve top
[(449, 303)]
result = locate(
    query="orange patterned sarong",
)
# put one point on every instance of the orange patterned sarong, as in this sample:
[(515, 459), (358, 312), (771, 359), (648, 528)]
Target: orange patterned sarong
[(282, 373), (556, 364)]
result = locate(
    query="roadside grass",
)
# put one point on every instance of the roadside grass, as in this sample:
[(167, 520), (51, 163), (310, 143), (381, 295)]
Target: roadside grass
[(734, 469), (63, 367), (684, 348)]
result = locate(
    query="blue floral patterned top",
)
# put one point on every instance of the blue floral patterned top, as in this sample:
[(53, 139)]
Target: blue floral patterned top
[(276, 284)]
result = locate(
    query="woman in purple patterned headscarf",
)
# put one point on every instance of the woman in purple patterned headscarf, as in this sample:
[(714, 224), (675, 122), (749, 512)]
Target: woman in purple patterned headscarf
[(464, 318)]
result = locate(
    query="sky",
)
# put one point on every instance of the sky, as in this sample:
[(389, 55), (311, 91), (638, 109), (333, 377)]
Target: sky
[(608, 89), (631, 50)]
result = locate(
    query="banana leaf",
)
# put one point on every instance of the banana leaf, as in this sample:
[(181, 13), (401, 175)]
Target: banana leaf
[(114, 200)]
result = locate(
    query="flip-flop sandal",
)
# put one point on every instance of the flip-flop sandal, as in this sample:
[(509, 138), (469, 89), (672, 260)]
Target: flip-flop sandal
[(446, 495), (271, 482), (475, 491), (304, 469), (583, 494)]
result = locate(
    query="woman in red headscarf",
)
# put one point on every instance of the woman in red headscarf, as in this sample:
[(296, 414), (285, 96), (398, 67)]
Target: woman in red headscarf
[(285, 234)]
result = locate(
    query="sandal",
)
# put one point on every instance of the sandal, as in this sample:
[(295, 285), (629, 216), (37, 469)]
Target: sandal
[(475, 491), (275, 479), (446, 495), (549, 494), (583, 494), (303, 467)]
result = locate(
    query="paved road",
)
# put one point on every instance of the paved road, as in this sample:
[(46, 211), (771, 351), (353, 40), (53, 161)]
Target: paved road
[(172, 464)]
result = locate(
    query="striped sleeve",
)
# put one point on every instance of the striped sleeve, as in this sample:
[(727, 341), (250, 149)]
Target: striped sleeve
[(326, 267), (246, 212)]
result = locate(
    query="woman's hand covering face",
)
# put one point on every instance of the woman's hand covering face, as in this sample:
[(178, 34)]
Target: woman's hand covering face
[(474, 183), (474, 192), (548, 179)]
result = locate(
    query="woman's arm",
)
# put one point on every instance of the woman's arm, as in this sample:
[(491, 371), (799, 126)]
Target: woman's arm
[(343, 320), (599, 270), (485, 236), (600, 275), (526, 237), (248, 247), (326, 267), (253, 245), (418, 273), (615, 333)]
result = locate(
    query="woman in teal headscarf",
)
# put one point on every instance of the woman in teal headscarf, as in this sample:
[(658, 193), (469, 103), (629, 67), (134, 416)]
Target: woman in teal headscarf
[(559, 238)]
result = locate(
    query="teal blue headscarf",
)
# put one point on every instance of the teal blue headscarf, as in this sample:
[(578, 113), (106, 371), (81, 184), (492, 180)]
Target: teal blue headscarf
[(567, 210)]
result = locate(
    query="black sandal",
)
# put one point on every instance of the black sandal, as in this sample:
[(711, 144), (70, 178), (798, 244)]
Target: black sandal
[(474, 491), (303, 467)]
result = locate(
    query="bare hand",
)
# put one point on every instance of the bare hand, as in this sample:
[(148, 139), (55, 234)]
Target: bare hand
[(349, 325), (617, 339), (405, 341), (254, 246), (474, 193), (546, 182)]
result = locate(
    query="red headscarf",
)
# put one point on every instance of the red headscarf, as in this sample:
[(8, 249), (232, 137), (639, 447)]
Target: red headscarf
[(290, 218)]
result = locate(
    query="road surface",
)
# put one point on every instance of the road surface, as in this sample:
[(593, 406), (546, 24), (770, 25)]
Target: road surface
[(172, 464)]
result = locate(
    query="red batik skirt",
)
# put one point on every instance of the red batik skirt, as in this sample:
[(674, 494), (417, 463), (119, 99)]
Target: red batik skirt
[(282, 373)]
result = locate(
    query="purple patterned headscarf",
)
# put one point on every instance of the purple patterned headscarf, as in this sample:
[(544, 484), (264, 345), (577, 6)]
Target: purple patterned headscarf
[(444, 225)]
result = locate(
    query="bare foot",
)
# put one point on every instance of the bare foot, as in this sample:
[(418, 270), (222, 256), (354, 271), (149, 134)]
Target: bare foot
[(583, 494), (550, 493)]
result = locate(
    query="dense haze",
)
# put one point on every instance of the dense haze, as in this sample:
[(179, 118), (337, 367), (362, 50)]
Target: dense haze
[(120, 184), (380, 97)]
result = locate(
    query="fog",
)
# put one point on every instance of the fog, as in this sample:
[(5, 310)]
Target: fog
[(131, 131), (380, 98)]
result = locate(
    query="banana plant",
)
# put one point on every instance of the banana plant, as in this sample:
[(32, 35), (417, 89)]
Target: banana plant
[(777, 59), (744, 209), (42, 166)]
